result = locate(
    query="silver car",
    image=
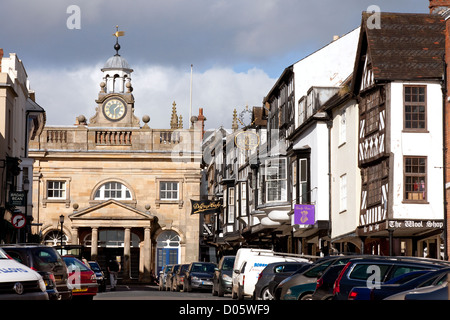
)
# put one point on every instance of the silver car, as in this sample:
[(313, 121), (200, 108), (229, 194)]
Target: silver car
[(163, 276)]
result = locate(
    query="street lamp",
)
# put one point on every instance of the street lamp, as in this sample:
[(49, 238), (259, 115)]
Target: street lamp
[(26, 188), (61, 221)]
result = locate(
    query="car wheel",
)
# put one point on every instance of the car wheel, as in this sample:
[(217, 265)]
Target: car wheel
[(220, 291), (240, 294), (265, 294), (233, 294), (307, 297)]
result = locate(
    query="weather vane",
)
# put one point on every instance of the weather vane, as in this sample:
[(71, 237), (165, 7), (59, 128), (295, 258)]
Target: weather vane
[(118, 34)]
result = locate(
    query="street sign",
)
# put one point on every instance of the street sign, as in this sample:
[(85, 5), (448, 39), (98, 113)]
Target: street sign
[(17, 198), (18, 220)]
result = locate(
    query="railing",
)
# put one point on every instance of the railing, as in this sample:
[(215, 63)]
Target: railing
[(113, 137), (56, 136), (169, 137)]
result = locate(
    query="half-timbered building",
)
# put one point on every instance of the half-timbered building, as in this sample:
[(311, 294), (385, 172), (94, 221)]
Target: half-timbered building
[(397, 82)]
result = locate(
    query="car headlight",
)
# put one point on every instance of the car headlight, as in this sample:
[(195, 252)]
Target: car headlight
[(194, 278), (226, 277), (42, 285)]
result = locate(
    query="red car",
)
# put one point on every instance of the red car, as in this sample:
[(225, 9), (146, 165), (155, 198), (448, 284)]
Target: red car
[(81, 278)]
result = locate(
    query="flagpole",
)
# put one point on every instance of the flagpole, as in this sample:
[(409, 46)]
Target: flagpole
[(190, 106)]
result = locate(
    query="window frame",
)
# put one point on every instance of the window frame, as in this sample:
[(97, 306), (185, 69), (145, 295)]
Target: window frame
[(169, 191), (415, 104), (160, 200), (65, 199), (61, 189), (278, 181), (407, 193), (103, 189)]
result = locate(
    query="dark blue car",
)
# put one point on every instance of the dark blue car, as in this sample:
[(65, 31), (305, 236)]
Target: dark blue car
[(367, 293), (376, 271)]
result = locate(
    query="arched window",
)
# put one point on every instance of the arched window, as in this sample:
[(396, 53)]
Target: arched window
[(53, 238), (113, 190)]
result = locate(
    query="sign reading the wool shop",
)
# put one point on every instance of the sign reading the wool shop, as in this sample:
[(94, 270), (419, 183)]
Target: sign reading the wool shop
[(304, 214)]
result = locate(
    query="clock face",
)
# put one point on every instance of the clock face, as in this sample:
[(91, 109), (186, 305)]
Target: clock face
[(114, 109)]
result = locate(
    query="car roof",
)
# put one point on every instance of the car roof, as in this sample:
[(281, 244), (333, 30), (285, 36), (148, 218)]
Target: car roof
[(401, 259), (24, 245)]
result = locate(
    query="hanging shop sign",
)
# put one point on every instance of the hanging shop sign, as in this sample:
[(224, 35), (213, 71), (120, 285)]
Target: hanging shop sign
[(304, 214), (206, 206)]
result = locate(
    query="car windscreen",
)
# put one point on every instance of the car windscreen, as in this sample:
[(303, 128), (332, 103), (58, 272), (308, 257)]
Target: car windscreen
[(75, 264), (95, 267), (200, 267), (43, 257), (228, 264)]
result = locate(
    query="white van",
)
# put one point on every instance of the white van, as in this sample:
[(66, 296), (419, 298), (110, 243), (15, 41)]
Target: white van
[(19, 282), (249, 263)]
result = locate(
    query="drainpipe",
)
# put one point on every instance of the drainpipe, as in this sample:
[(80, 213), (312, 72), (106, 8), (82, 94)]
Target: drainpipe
[(329, 126), (444, 153)]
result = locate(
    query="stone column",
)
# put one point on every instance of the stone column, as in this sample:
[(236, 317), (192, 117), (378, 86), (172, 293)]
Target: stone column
[(94, 244), (126, 254), (147, 254), (75, 236)]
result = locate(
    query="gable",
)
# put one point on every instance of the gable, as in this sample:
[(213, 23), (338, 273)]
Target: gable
[(110, 210), (405, 47)]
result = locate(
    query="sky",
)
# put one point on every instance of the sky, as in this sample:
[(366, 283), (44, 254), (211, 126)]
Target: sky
[(238, 49)]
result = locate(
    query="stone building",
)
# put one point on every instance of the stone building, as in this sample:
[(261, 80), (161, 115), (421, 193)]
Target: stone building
[(123, 189), (21, 118)]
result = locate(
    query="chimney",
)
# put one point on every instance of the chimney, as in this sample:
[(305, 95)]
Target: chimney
[(439, 6), (1, 57)]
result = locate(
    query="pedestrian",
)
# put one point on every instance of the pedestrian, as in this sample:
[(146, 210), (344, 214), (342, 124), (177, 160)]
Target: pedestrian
[(113, 269)]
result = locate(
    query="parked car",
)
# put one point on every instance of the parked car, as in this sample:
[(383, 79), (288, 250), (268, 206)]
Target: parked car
[(178, 278), (82, 279), (99, 274), (44, 259), (222, 276), (246, 275), (439, 292), (163, 276), (50, 285), (309, 275), (427, 287), (401, 283), (300, 292), (378, 270), (274, 272), (170, 277), (19, 282), (199, 276), (325, 282)]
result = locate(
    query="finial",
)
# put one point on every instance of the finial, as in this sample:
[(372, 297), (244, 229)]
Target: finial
[(234, 124), (118, 34)]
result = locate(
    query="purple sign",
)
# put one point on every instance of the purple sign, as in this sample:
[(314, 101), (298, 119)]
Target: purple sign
[(304, 214)]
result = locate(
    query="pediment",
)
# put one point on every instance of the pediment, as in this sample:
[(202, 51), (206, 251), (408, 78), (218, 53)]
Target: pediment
[(110, 210)]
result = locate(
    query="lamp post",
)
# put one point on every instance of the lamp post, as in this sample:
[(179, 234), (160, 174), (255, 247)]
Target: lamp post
[(61, 221), (26, 188)]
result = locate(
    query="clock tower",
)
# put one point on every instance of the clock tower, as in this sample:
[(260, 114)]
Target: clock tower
[(115, 103)]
